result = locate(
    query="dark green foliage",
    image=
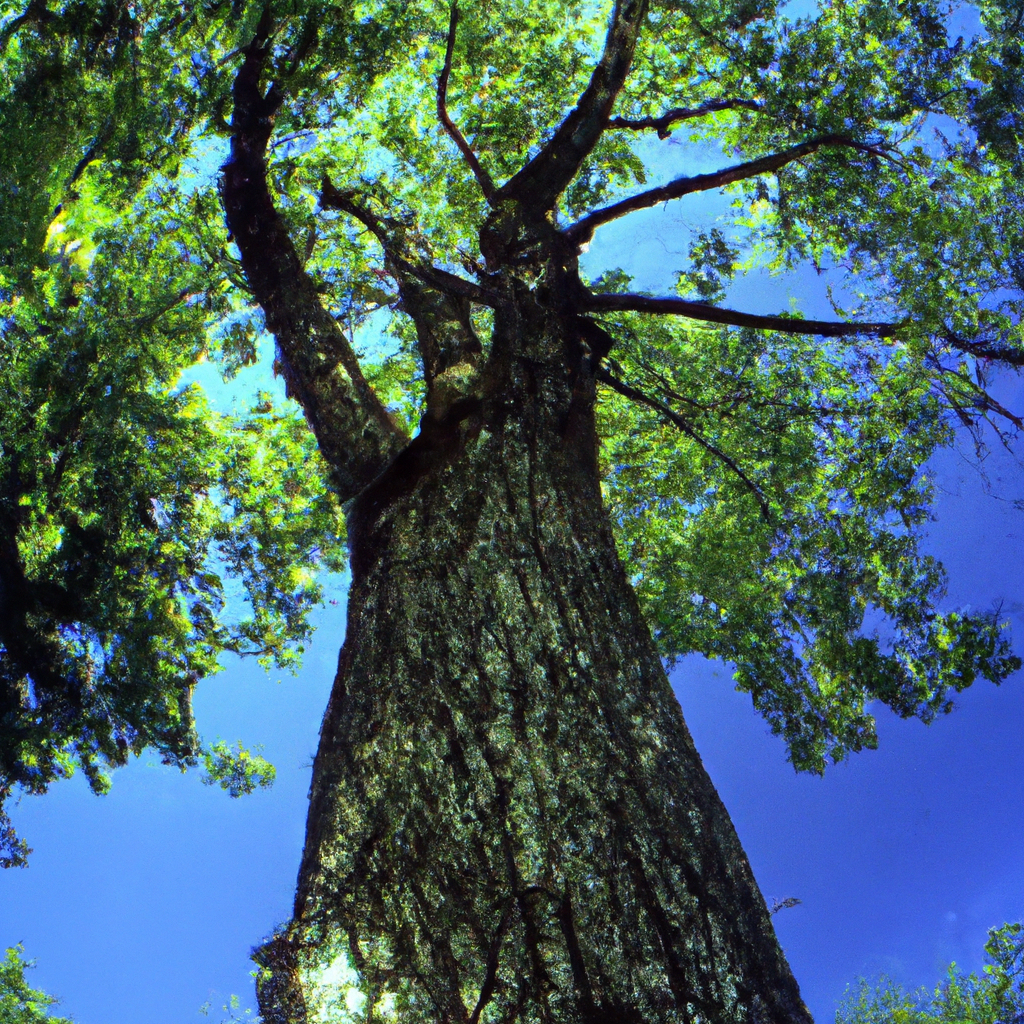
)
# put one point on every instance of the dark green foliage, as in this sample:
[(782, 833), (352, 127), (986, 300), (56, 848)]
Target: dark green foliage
[(779, 533), (712, 266), (765, 476), (142, 534), (124, 499)]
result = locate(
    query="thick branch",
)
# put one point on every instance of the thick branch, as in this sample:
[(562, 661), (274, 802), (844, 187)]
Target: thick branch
[(732, 317), (583, 230), (36, 12), (540, 183), (355, 433), (997, 351), (635, 395), (663, 124), (479, 171)]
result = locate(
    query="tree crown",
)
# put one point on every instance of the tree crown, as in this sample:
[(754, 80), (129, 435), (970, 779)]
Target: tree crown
[(765, 475)]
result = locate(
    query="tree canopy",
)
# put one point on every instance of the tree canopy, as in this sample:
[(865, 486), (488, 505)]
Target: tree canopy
[(766, 475)]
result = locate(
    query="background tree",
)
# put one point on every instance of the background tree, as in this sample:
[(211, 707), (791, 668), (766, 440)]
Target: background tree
[(123, 499), (996, 997), (551, 483)]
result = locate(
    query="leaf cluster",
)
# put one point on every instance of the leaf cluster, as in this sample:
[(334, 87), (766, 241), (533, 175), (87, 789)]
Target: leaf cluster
[(996, 997), (237, 771), (19, 1002)]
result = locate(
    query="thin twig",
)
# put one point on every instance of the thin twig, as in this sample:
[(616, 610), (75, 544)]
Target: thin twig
[(627, 391)]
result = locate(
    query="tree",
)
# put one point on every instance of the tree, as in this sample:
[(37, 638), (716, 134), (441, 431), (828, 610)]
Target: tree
[(551, 485), (997, 997)]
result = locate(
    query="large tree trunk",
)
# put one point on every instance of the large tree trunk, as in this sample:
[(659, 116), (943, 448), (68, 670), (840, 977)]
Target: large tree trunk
[(508, 818)]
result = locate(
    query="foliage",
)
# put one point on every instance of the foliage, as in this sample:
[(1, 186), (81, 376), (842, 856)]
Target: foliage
[(238, 772), (142, 533), (19, 1003), (768, 488), (778, 569), (996, 997), (774, 518), (231, 1008)]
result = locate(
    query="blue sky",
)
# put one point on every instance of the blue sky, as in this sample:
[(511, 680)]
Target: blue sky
[(140, 907)]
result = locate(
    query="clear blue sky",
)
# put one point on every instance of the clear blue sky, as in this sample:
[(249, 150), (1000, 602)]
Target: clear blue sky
[(141, 906)]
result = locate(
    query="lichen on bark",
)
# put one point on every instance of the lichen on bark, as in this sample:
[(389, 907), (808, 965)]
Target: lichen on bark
[(508, 818)]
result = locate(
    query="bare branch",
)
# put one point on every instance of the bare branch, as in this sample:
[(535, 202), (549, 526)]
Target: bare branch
[(663, 124), (976, 392), (479, 171), (583, 230), (734, 318), (634, 394), (540, 183), (784, 904)]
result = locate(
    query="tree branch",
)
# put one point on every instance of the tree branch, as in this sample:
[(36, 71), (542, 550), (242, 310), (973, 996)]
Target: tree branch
[(635, 395), (36, 12), (540, 183), (332, 198), (479, 171), (583, 230), (355, 433), (437, 301), (986, 350), (663, 124), (734, 318), (980, 397)]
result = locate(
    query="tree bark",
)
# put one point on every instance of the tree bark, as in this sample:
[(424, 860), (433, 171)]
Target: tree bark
[(508, 818)]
